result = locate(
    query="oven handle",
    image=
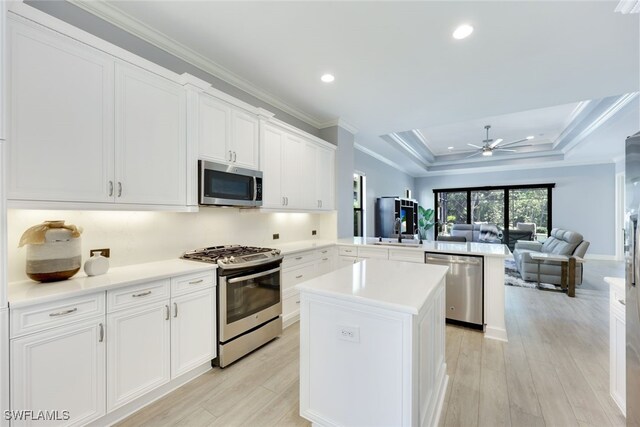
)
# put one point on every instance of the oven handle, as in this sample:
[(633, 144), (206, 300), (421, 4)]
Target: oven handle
[(255, 187), (253, 276)]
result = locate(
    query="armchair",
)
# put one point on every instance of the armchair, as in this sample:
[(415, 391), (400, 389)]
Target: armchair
[(560, 242)]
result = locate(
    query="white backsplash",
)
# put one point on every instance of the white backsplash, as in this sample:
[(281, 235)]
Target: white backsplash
[(137, 237)]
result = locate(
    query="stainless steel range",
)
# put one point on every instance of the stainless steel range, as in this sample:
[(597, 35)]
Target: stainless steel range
[(249, 304)]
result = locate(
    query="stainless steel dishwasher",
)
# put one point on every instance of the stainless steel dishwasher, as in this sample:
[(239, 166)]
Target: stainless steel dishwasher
[(464, 286)]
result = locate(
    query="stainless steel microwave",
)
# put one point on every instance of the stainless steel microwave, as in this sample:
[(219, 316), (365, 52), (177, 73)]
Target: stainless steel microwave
[(228, 185)]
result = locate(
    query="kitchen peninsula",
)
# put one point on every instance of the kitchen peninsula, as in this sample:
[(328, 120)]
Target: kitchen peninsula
[(372, 345), (493, 255)]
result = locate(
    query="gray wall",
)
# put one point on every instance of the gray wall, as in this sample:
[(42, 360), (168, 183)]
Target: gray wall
[(98, 27), (382, 180), (583, 199), (344, 176)]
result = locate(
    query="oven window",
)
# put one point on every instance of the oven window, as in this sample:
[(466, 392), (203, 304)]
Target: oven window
[(247, 297), (223, 185)]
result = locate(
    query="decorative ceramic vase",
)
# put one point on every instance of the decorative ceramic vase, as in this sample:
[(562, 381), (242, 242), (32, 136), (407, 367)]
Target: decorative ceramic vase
[(53, 251), (96, 265)]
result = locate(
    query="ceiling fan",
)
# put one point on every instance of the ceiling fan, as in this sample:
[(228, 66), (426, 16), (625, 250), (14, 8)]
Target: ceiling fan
[(490, 145)]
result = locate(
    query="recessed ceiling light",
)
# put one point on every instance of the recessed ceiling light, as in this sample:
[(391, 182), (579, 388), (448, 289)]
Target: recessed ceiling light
[(327, 78), (530, 137), (463, 31), (449, 148)]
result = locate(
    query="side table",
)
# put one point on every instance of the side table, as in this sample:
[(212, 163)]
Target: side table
[(568, 269)]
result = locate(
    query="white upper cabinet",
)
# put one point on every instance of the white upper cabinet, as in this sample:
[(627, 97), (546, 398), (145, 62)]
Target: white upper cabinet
[(150, 138), (271, 154), (214, 130), (298, 171), (227, 134), (60, 117), (325, 177)]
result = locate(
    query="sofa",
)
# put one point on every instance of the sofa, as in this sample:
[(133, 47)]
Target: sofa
[(481, 233), (560, 242)]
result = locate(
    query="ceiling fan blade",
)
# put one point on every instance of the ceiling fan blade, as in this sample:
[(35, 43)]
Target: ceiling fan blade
[(474, 154), (513, 142), (505, 149), (495, 143), (475, 146)]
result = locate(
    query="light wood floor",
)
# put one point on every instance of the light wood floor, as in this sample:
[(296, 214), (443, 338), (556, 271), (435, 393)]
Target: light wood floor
[(554, 371)]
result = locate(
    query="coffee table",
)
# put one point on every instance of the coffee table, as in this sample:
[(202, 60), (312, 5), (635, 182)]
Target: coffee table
[(568, 269)]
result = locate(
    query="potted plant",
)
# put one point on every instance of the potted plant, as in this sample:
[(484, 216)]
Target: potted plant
[(425, 221)]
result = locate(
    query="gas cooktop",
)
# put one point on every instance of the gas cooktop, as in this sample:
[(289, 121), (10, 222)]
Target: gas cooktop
[(234, 256)]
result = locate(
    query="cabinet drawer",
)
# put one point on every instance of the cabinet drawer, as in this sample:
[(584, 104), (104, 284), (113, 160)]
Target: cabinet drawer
[(48, 315), (290, 305), (347, 250), (192, 282), (380, 253), (299, 258), (295, 275), (406, 255), (325, 265), (143, 293), (327, 252)]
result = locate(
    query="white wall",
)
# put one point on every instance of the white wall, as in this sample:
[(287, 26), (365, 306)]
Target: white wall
[(137, 237), (382, 180), (583, 199)]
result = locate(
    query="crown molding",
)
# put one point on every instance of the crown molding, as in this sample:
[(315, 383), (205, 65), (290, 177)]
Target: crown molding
[(381, 158), (126, 22), (341, 123)]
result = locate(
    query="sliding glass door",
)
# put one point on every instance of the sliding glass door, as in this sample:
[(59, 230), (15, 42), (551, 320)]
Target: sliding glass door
[(520, 212)]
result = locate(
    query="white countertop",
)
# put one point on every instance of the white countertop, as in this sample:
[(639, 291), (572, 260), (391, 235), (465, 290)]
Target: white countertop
[(469, 248), (301, 246), (618, 282), (393, 285), (29, 292)]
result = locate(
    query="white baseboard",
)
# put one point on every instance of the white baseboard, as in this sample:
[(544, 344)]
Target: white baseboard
[(600, 257), (290, 319)]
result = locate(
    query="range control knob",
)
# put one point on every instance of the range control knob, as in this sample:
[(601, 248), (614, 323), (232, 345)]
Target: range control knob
[(232, 259), (225, 260)]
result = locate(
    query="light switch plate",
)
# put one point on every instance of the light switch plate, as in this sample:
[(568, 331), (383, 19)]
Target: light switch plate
[(349, 333)]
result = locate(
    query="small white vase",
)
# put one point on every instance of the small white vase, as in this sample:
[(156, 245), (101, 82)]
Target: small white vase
[(96, 265)]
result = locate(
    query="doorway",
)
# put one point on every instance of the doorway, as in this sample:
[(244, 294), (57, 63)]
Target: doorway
[(359, 204)]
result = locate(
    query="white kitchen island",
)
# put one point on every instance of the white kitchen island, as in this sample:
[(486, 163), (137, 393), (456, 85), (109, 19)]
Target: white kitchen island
[(372, 340)]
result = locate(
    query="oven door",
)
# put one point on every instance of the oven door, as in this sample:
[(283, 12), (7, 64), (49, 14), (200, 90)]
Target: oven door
[(226, 185), (248, 298)]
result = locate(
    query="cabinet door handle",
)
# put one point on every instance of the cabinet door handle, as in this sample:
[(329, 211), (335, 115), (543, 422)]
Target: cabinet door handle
[(101, 333), (230, 156), (175, 309), (287, 201), (167, 312), (325, 259), (621, 301), (234, 156), (110, 188), (195, 282), (141, 294), (282, 200), (63, 312), (297, 302), (298, 258), (300, 276), (348, 250), (320, 203), (119, 189)]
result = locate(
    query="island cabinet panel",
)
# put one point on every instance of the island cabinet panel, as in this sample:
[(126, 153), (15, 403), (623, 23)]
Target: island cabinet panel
[(368, 357)]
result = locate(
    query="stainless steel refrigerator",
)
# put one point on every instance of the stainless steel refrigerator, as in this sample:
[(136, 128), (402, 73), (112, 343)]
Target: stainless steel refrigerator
[(632, 258)]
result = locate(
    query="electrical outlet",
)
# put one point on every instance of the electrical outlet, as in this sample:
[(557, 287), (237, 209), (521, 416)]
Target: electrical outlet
[(314, 232), (349, 333), (106, 252), (276, 236)]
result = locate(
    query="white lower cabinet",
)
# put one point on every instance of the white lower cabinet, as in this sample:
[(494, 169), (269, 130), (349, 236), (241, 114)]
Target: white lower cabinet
[(60, 369), (138, 352), (193, 330)]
